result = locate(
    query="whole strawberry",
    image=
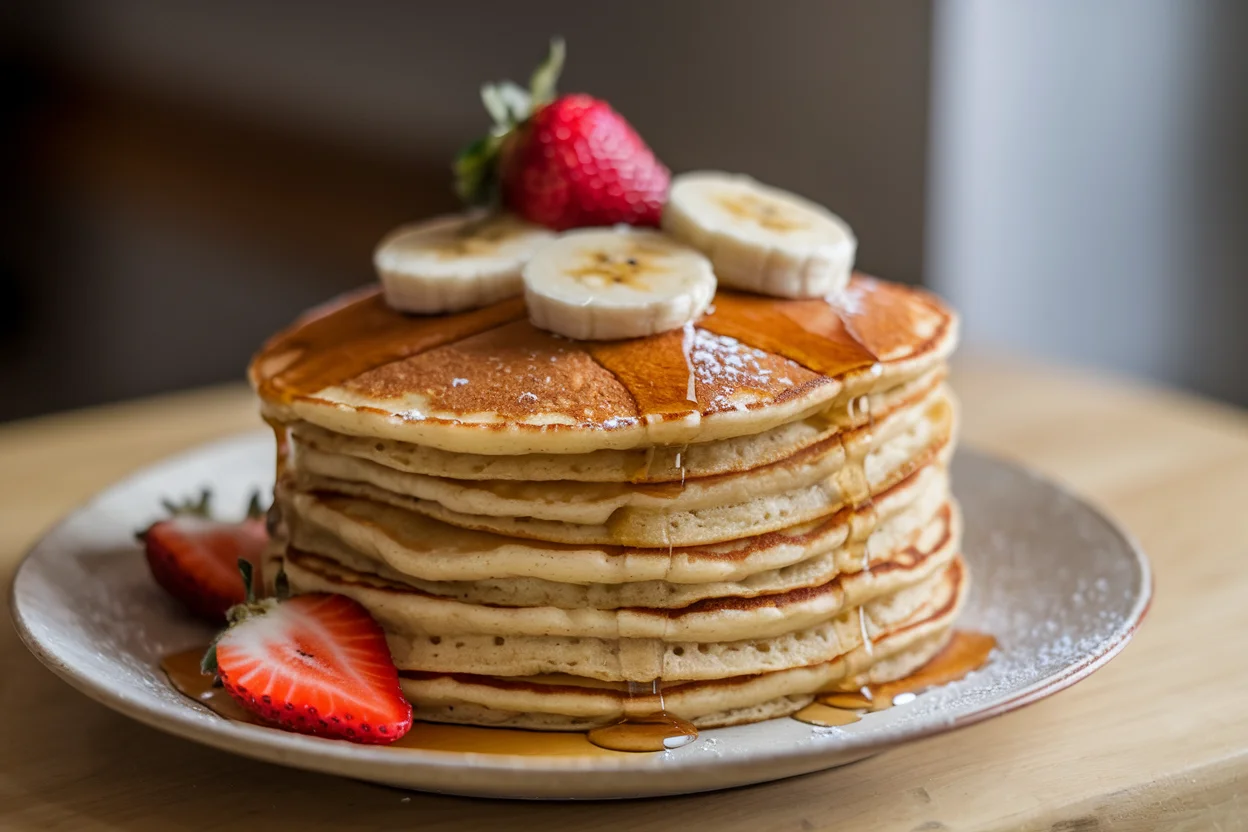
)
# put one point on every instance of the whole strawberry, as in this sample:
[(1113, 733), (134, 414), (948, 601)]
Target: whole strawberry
[(195, 557), (563, 162)]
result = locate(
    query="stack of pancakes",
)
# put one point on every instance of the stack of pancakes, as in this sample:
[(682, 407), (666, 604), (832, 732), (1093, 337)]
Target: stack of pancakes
[(719, 522)]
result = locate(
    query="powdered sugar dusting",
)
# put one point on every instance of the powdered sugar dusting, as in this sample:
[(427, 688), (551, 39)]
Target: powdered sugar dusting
[(729, 369), (1051, 579)]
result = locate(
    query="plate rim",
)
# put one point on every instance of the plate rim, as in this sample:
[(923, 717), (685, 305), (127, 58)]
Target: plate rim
[(318, 754)]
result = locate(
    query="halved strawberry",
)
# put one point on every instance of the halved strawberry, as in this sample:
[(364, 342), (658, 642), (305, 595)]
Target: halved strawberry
[(316, 664), (195, 558)]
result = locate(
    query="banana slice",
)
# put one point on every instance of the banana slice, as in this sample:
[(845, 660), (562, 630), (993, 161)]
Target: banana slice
[(601, 284), (457, 262), (759, 238)]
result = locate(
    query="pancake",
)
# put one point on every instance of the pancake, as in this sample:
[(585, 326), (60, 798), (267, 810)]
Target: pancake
[(652, 464), (816, 559), (573, 703), (423, 548), (892, 437), (435, 631), (488, 382), (659, 527)]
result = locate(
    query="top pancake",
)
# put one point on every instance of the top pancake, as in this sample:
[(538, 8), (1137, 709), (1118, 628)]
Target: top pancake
[(488, 382)]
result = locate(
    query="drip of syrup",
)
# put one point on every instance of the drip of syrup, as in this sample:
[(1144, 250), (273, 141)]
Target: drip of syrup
[(273, 520), (857, 436), (646, 725), (642, 473), (686, 347), (862, 626), (966, 652)]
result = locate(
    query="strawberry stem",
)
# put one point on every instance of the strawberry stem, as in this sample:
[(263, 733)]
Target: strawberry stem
[(510, 106), (543, 81), (249, 574), (281, 585), (198, 508), (208, 664), (241, 612), (255, 508)]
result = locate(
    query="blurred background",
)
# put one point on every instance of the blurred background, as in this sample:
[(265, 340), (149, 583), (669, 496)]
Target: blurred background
[(182, 178)]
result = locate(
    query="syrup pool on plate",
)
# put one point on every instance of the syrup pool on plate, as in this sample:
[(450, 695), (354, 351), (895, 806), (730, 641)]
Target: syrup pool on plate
[(965, 653), (642, 732)]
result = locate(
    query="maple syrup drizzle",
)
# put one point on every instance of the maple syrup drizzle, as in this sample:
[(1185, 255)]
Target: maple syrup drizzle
[(966, 652), (281, 443), (657, 371), (810, 332), (358, 334)]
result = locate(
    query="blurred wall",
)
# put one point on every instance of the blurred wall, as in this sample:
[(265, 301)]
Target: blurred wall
[(190, 175), (1089, 182)]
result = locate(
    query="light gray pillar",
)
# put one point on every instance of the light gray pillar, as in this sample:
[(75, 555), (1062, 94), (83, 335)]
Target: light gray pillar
[(1087, 200)]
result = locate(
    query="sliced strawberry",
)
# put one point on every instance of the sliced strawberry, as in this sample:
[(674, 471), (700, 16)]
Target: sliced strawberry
[(316, 664), (195, 558)]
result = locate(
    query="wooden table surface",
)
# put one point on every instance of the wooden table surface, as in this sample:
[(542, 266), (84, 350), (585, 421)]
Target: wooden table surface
[(1156, 740)]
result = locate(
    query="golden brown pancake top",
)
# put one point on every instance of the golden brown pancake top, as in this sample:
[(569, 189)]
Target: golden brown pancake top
[(491, 365)]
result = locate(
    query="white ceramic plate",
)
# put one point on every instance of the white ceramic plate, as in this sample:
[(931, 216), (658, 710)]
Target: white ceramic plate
[(1058, 584)]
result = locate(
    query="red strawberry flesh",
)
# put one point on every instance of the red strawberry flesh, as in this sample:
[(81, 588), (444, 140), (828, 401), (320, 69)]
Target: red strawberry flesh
[(577, 163), (316, 664), (195, 560)]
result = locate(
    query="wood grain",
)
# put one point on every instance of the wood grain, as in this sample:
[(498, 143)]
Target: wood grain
[(1157, 739)]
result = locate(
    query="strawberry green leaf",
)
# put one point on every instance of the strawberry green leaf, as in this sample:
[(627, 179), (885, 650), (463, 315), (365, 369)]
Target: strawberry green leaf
[(281, 585), (249, 574), (509, 106), (208, 664), (495, 103), (255, 508), (517, 101), (545, 78), (476, 176), (200, 508)]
